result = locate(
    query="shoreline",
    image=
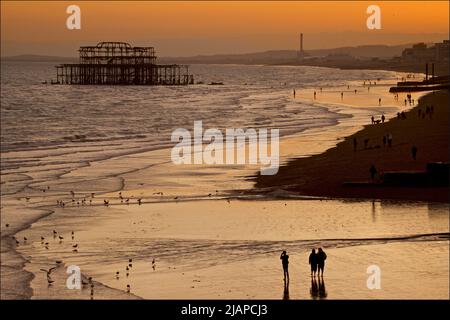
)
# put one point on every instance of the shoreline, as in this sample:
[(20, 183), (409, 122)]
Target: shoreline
[(15, 268), (174, 278), (308, 176), (76, 169), (440, 69)]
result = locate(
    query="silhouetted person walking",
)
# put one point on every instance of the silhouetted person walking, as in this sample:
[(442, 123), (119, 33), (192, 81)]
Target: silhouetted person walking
[(383, 118), (373, 172), (389, 140), (294, 93), (321, 257), (313, 262), (285, 262), (414, 152)]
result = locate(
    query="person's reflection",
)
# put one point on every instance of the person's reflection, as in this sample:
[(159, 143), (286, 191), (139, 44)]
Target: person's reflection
[(286, 290), (314, 290), (374, 211), (322, 291)]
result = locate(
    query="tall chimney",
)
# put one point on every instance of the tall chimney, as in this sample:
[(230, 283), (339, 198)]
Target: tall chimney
[(301, 42)]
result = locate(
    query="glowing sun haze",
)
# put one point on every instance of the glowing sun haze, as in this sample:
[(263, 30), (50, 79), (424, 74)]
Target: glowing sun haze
[(188, 28)]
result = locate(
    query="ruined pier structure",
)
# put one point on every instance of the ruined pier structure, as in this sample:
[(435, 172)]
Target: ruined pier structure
[(118, 63)]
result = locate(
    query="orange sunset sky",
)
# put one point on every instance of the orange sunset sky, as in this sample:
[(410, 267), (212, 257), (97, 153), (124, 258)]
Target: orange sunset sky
[(188, 28)]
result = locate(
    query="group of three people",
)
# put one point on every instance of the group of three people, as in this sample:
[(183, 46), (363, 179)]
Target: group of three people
[(316, 261)]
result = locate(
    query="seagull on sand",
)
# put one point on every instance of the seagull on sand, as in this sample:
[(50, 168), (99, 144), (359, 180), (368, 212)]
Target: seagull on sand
[(49, 271), (89, 281)]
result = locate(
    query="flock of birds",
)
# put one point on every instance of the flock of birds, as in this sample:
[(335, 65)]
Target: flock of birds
[(122, 199), (56, 236), (128, 269), (83, 201), (89, 281), (45, 243), (74, 246)]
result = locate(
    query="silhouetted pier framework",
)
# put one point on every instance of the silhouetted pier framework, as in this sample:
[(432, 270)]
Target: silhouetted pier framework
[(118, 63)]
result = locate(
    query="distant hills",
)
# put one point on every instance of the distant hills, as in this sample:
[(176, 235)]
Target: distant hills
[(282, 56), (266, 57)]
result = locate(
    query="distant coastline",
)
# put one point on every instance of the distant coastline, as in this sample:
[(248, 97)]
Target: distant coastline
[(365, 57)]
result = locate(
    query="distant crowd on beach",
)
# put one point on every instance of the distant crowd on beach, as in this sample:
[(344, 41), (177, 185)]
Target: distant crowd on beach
[(425, 112), (366, 83)]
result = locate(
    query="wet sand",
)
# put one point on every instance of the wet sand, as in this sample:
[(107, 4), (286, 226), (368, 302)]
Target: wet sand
[(230, 249), (215, 240)]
